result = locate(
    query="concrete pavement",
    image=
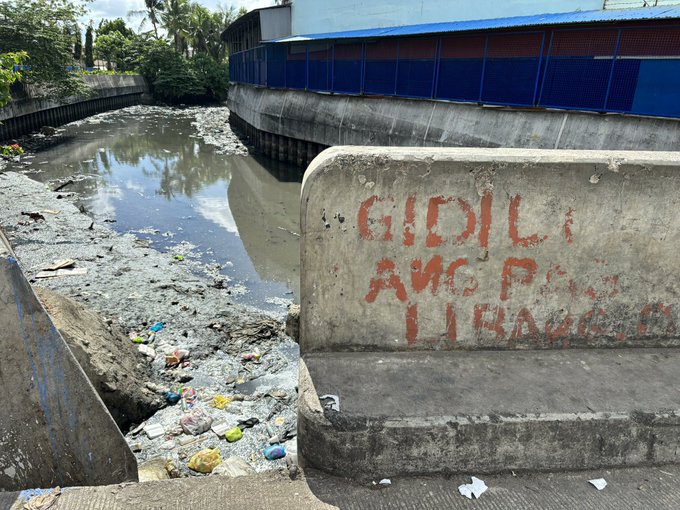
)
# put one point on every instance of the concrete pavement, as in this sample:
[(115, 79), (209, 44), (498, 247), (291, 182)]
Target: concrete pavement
[(645, 488)]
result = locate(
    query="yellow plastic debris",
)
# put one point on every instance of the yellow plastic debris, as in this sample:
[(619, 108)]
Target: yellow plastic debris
[(205, 460), (220, 402)]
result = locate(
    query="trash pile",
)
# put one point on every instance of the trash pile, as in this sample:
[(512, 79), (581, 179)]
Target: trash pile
[(234, 397)]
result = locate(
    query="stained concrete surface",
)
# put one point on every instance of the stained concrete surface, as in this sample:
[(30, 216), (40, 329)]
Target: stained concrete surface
[(336, 119), (645, 488), (416, 413), (489, 249)]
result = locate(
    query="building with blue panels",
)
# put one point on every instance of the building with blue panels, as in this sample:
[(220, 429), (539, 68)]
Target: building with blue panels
[(606, 60)]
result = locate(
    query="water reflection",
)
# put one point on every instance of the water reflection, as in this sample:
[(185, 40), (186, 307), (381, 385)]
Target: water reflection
[(151, 172)]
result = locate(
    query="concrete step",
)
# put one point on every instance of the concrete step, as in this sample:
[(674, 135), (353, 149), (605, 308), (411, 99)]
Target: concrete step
[(489, 411)]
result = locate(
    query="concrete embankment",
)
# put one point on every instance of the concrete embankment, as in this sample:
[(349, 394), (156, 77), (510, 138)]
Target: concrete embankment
[(28, 112), (294, 125)]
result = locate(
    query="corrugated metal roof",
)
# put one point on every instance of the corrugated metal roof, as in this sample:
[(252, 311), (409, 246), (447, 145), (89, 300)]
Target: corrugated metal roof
[(647, 13)]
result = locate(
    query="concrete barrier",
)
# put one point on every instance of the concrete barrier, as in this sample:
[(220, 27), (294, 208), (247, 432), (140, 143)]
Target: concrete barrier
[(409, 251), (54, 429)]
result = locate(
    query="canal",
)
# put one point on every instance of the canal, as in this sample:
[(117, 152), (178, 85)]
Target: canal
[(147, 171)]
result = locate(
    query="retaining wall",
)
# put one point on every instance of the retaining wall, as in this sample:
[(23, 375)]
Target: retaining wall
[(275, 120), (26, 114)]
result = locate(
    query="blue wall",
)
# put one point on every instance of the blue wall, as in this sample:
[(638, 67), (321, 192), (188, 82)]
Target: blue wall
[(608, 69)]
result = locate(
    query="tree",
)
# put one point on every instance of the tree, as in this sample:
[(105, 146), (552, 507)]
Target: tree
[(106, 27), (78, 44), (175, 20), (42, 28), (8, 75), (110, 48), (172, 78), (89, 54), (151, 13)]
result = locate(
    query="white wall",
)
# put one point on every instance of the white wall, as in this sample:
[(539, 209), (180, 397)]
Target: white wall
[(319, 16)]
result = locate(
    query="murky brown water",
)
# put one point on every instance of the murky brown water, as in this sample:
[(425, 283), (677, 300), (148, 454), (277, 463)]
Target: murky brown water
[(150, 175)]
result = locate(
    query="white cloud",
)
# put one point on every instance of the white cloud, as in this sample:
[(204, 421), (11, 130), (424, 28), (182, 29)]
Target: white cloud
[(110, 9)]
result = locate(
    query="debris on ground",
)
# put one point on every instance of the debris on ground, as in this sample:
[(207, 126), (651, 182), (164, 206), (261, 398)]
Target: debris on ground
[(78, 271), (205, 461), (42, 501), (274, 452), (233, 467), (476, 488), (598, 483)]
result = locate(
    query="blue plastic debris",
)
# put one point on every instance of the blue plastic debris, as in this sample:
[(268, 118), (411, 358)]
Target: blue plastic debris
[(274, 452), (172, 397), (157, 327)]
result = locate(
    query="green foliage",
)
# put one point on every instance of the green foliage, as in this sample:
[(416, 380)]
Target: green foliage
[(7, 74), (111, 47), (213, 75), (107, 27), (176, 79), (42, 28), (78, 44), (89, 51), (172, 78)]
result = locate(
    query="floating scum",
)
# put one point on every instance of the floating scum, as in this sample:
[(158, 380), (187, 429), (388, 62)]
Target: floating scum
[(483, 249)]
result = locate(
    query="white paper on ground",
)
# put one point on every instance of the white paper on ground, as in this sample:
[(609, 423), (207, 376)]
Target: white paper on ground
[(598, 483), (476, 488), (385, 481)]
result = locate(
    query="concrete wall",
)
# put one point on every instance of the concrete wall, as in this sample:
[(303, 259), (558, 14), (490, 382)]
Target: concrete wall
[(329, 120), (489, 249), (320, 16), (29, 112), (54, 429)]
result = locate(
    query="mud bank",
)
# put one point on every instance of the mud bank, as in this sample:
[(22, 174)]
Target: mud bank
[(135, 286)]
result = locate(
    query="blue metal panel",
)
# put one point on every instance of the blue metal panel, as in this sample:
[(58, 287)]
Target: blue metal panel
[(510, 80), (658, 88), (576, 82), (459, 79)]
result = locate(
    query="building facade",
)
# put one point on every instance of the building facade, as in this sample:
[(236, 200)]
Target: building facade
[(605, 60)]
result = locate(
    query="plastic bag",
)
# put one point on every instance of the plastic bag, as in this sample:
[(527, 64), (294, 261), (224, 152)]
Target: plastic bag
[(274, 452), (205, 460), (233, 435), (195, 422)]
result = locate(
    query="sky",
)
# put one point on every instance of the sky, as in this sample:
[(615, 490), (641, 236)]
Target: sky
[(111, 9)]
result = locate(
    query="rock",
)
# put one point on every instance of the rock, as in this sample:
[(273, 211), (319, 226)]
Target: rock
[(109, 359), (48, 130), (233, 467), (153, 470), (293, 322)]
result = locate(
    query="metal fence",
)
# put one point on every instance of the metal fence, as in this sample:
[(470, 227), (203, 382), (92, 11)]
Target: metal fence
[(608, 69)]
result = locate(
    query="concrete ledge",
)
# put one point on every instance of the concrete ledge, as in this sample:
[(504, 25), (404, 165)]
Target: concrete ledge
[(336, 119), (486, 412)]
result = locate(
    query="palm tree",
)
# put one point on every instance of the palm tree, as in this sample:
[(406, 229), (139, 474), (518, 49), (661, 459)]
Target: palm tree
[(152, 11), (175, 20)]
